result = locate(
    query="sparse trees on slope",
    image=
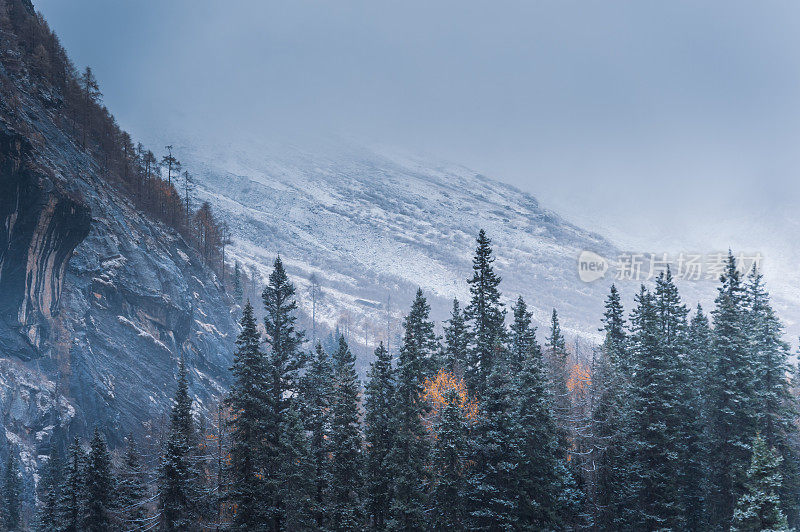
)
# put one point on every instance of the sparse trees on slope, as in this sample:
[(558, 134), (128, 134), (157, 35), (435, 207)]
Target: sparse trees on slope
[(90, 96)]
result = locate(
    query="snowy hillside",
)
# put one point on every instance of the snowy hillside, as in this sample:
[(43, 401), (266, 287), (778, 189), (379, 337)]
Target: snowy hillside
[(374, 224)]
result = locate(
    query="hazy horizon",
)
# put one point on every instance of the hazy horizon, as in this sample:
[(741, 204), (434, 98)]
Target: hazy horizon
[(594, 108)]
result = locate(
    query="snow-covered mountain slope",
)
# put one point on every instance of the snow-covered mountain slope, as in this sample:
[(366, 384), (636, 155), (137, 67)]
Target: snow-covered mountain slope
[(374, 224)]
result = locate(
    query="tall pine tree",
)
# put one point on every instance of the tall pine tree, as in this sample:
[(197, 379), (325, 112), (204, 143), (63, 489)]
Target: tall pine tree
[(559, 376), (100, 486), (317, 396), (609, 379), (410, 449), (777, 409), (492, 491), (177, 484), (485, 315), (449, 465), (546, 499), (71, 507), (248, 400), (346, 467), (284, 362), (378, 429), (132, 487), (52, 473), (732, 397), (651, 461)]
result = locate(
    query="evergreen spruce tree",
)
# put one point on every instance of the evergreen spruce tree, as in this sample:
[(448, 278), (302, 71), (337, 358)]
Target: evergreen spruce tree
[(132, 487), (650, 436), (449, 465), (50, 490), (492, 489), (732, 399), (346, 466), (12, 490), (410, 449), (317, 395), (759, 507), (284, 362), (177, 490), (681, 396), (486, 316), (456, 341), (559, 376), (378, 417), (298, 473), (609, 378), (522, 338), (248, 400), (777, 409), (546, 496), (701, 363), (100, 486), (71, 507)]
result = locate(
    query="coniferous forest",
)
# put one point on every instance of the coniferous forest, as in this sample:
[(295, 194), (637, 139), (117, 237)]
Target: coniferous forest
[(686, 420), (678, 418)]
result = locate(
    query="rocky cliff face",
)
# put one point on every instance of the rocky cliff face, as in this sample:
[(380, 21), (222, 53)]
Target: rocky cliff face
[(41, 227), (97, 301)]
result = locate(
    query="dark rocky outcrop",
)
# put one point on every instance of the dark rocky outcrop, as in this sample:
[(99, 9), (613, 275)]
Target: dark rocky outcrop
[(41, 226)]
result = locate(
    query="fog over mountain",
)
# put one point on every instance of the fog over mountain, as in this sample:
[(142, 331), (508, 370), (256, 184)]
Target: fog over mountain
[(594, 109)]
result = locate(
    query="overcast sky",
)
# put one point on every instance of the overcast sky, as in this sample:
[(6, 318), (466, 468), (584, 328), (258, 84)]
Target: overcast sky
[(667, 125)]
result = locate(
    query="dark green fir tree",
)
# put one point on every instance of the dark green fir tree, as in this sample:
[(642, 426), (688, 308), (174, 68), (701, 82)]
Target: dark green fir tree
[(100, 486), (485, 315), (410, 449), (378, 428), (249, 400), (759, 507), (346, 458), (177, 483)]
